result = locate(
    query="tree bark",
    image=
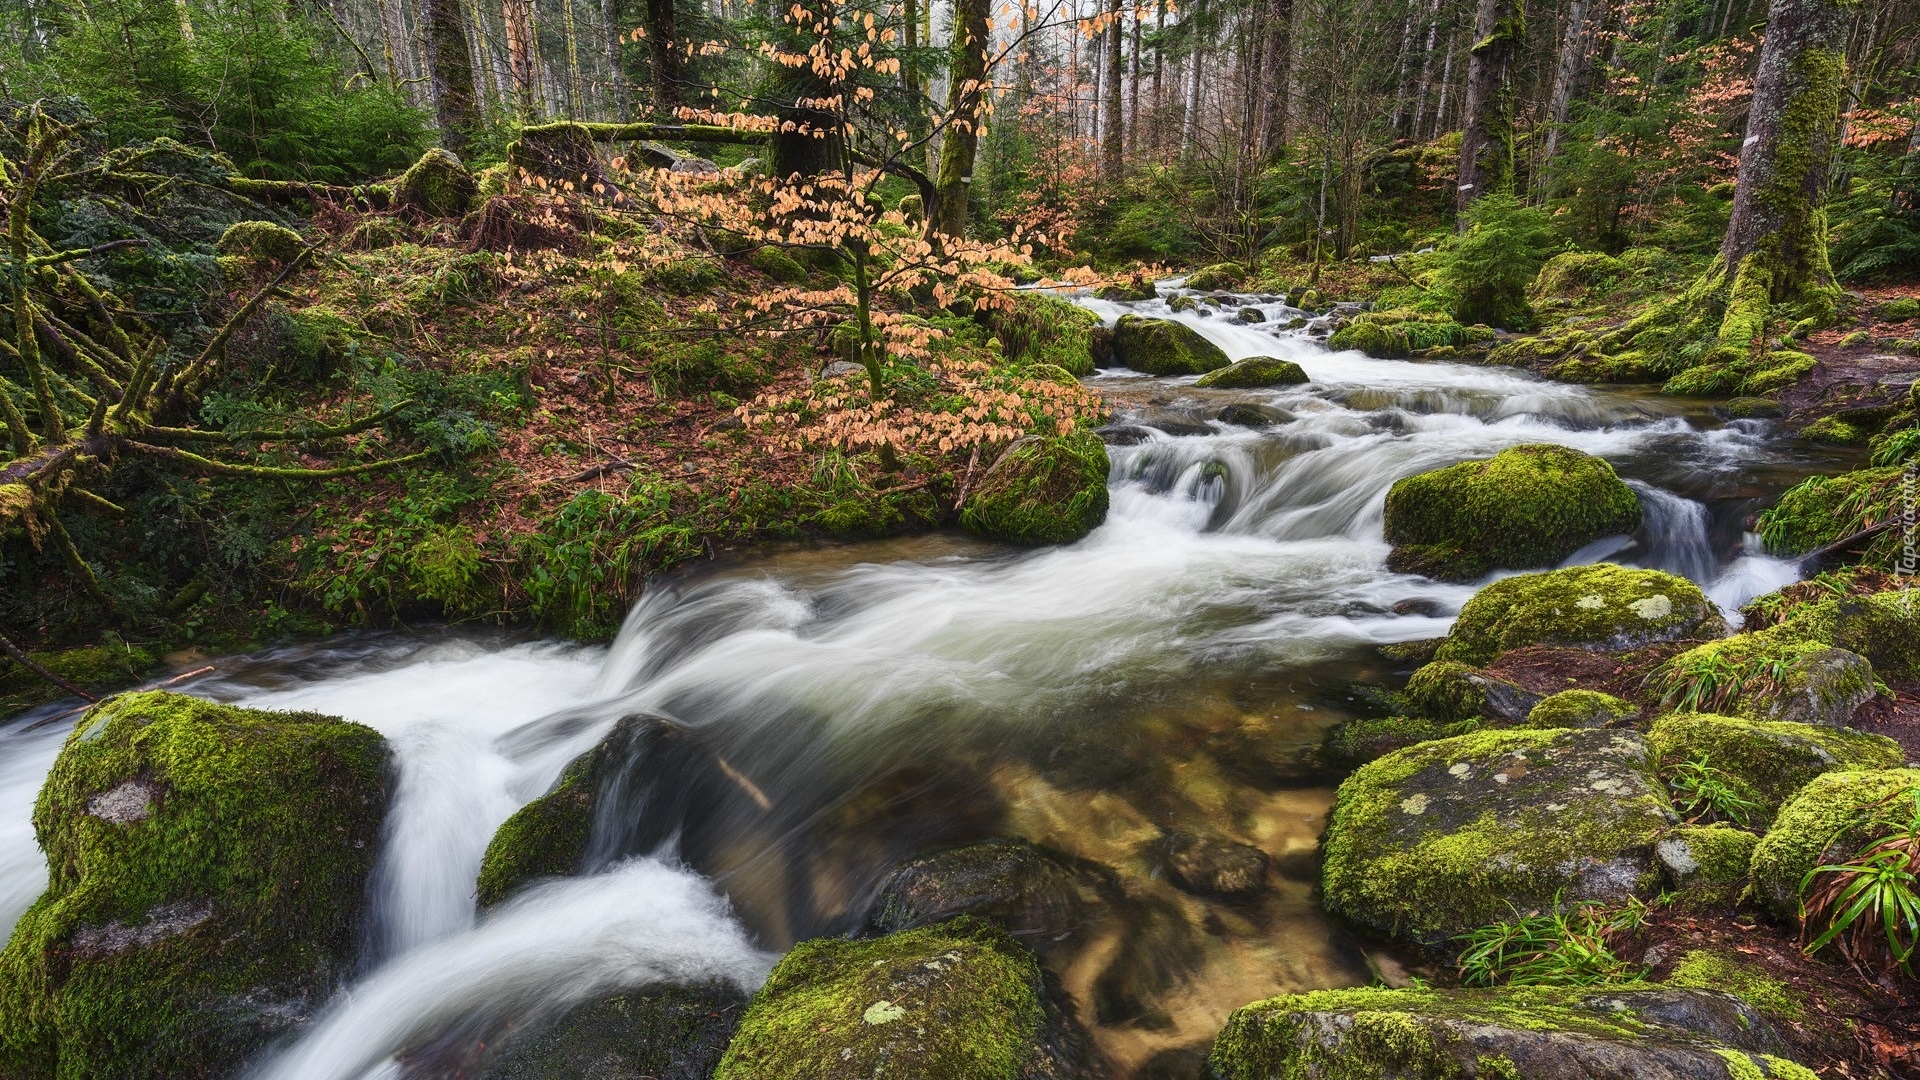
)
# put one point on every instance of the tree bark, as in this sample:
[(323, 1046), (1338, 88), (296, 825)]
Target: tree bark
[(1277, 73), (1486, 138), (1566, 78), (517, 15), (452, 62), (1418, 127), (616, 79), (1114, 140), (962, 138), (1133, 88), (667, 69)]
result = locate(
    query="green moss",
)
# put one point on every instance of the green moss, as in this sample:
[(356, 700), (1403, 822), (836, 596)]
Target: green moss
[(1538, 351), (1254, 372), (1704, 969), (1830, 819), (100, 667), (690, 276), (1572, 274), (1743, 407), (1883, 627), (207, 875), (1442, 690), (1352, 743), (1215, 277), (1833, 429), (545, 838), (1526, 506), (263, 240), (1601, 606), (1052, 490), (912, 207), (959, 1000), (1777, 371), (437, 185), (1402, 332), (1580, 709), (1769, 760), (1374, 339), (777, 265), (1707, 865), (1821, 509), (1899, 310), (1165, 347), (1772, 674), (1040, 328)]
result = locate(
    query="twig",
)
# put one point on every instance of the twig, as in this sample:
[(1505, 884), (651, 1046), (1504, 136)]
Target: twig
[(20, 657), (966, 484)]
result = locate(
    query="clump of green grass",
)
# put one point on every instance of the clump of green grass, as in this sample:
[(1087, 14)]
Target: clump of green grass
[(1705, 795), (1563, 946), (1868, 906)]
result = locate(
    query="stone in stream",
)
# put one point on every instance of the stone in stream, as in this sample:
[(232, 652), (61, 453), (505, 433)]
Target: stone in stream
[(1216, 277), (666, 1033), (1248, 414), (1768, 762), (1527, 506), (1214, 865), (208, 880), (959, 1000), (1045, 490), (1029, 889), (1601, 607), (1829, 821), (1540, 1033), (1441, 837), (1164, 347), (1255, 372)]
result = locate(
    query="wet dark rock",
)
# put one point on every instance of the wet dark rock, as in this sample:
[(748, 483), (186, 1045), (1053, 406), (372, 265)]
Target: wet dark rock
[(1029, 889), (669, 1033), (1245, 414), (1214, 865), (1505, 701), (1251, 315), (1123, 434), (1421, 605)]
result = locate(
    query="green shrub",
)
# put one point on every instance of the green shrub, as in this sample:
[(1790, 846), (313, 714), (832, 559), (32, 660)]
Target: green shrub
[(1488, 267)]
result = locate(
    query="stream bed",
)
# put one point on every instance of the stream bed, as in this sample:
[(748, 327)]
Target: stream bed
[(842, 707)]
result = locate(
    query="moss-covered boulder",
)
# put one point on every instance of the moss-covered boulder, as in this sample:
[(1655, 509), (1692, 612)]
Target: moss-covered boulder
[(1127, 290), (1768, 761), (1524, 507), (1050, 490), (670, 1033), (207, 881), (1448, 690), (1767, 675), (1165, 347), (1602, 607), (1022, 886), (778, 265), (1536, 1033), (1704, 969), (1255, 372), (1570, 274), (266, 241), (1823, 509), (436, 186), (1400, 333), (1444, 836), (1217, 276), (1706, 865), (1581, 709), (959, 1000), (1828, 821), (1883, 627), (1352, 743), (1041, 328)]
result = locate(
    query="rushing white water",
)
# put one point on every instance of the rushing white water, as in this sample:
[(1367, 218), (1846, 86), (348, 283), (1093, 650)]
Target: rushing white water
[(777, 689), (26, 753)]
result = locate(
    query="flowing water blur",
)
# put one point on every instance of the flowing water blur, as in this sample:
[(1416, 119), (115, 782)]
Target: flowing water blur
[(811, 716)]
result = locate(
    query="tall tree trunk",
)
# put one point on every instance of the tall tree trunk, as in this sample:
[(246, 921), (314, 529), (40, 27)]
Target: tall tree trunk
[(909, 41), (452, 63), (1566, 76), (1776, 244), (1400, 69), (573, 61), (1114, 140), (1486, 139), (1276, 71), (1196, 63), (1158, 104), (517, 15), (616, 78), (668, 77), (1133, 88), (1446, 82), (962, 139), (1419, 128)]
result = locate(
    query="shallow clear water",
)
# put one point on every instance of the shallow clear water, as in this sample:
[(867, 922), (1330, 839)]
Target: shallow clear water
[(834, 709)]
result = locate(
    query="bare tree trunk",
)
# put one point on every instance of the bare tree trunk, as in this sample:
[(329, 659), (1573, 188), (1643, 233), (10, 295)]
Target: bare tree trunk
[(1426, 71), (1114, 148), (452, 63), (962, 140), (1133, 89), (1159, 64), (573, 61), (1446, 83), (1566, 76), (1277, 74), (1400, 67), (616, 78), (664, 38), (517, 15), (1486, 139), (1196, 60), (910, 40)]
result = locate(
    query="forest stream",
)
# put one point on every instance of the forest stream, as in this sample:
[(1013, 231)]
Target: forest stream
[(831, 710)]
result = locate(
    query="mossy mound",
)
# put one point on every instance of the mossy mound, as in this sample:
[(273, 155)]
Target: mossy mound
[(1022, 886), (98, 667), (1822, 509), (1899, 310), (1706, 865), (1770, 675), (1441, 837), (264, 240), (1603, 607), (1570, 275), (1580, 709), (1165, 347), (1352, 743), (777, 265), (1525, 507), (1052, 490), (1217, 276), (436, 186), (1401, 332), (1828, 821), (960, 1000), (1128, 291), (1883, 627), (1255, 372), (1703, 969), (1040, 328), (1768, 761), (1448, 690), (672, 1033), (208, 871), (1540, 1033)]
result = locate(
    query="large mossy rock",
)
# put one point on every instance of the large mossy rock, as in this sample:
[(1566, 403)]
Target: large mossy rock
[(1165, 347), (1216, 277), (1768, 761), (959, 1000), (207, 882), (672, 1033), (1051, 490), (1601, 607), (1883, 627), (1525, 507), (265, 241), (1445, 836), (1253, 373), (1580, 709), (1536, 1033), (1766, 675), (1828, 821), (1041, 328), (436, 186), (1029, 889)]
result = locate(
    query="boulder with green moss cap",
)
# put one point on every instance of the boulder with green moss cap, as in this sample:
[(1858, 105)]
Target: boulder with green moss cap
[(1829, 821), (1352, 743), (1602, 607), (1768, 761), (1766, 675), (1706, 865), (959, 1000), (266, 241), (1883, 627), (1448, 690), (1539, 1033), (1217, 276), (1441, 837), (1046, 490), (436, 186), (1165, 347), (207, 882), (1254, 372), (1524, 507), (1581, 709), (1703, 969)]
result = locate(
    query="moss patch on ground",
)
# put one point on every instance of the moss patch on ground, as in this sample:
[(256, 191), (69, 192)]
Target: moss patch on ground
[(1708, 970)]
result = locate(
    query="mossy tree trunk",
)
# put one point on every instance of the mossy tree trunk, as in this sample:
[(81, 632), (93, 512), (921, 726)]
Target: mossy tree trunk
[(968, 73), (452, 66), (1114, 139), (1486, 141)]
